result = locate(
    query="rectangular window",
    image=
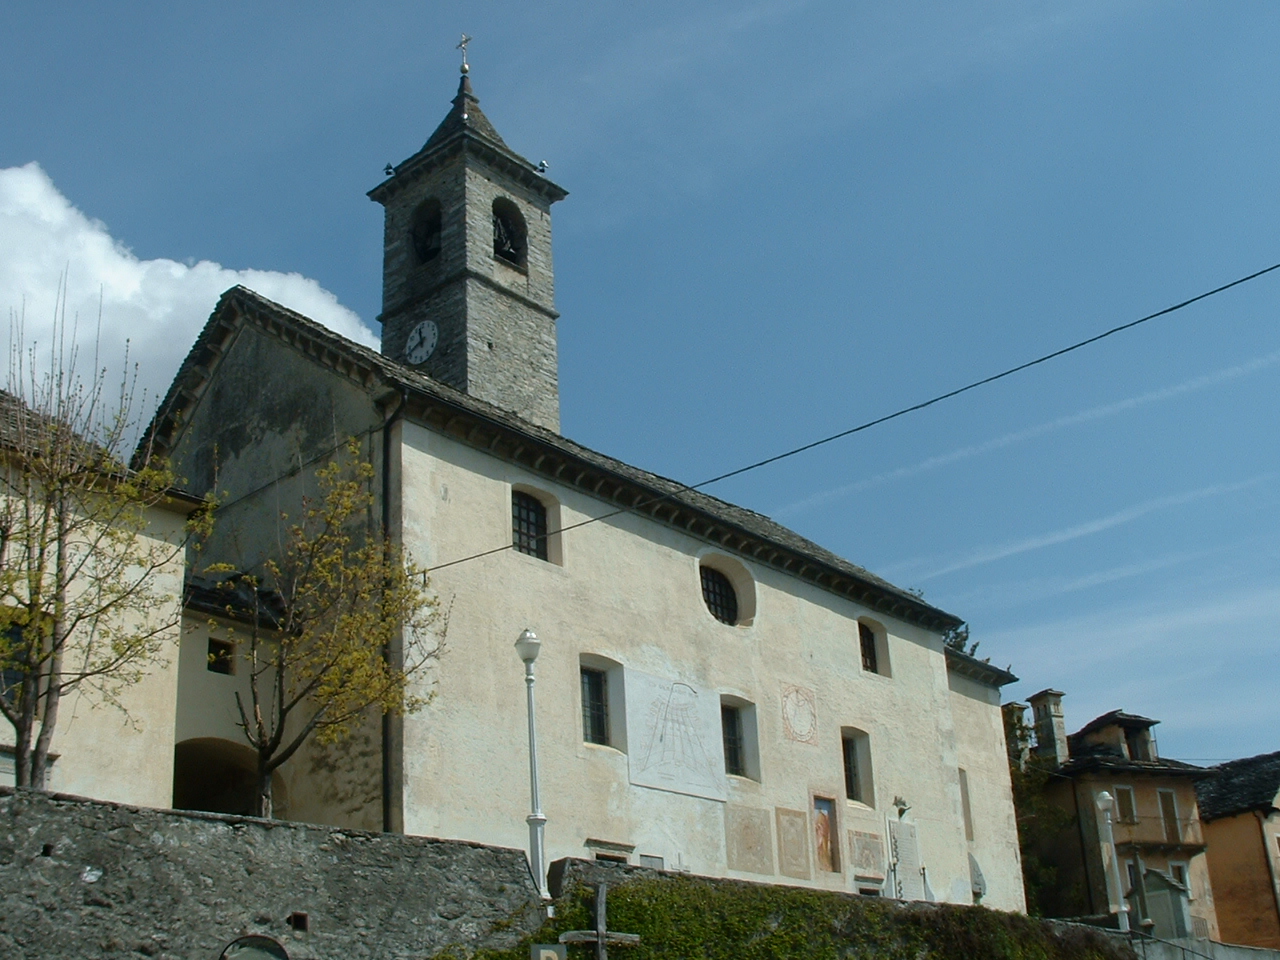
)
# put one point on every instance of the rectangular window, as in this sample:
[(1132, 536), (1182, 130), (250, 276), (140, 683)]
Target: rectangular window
[(867, 639), (965, 809), (735, 759), (1169, 817), (856, 747), (852, 783), (1126, 809), (1178, 871), (595, 706), (221, 656), (824, 834)]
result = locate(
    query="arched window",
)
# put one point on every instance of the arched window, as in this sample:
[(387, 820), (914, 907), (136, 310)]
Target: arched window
[(529, 525), (426, 230), (873, 645), (858, 785), (510, 238), (719, 594)]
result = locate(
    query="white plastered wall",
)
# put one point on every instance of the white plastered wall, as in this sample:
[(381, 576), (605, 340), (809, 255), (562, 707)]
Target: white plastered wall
[(127, 757), (982, 754), (628, 590)]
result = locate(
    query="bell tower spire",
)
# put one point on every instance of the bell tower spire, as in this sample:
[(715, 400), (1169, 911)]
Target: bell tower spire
[(468, 290)]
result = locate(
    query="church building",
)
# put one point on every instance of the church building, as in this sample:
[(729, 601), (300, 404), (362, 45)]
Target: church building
[(715, 693)]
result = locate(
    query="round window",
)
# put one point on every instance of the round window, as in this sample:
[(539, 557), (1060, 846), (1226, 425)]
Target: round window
[(719, 594)]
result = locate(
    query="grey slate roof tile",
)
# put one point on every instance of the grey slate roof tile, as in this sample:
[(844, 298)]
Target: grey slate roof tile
[(1239, 786), (203, 356)]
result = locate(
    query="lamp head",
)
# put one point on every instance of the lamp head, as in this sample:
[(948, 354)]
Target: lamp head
[(527, 646), (1106, 803)]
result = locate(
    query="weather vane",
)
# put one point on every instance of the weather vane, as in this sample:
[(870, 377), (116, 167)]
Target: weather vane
[(463, 47)]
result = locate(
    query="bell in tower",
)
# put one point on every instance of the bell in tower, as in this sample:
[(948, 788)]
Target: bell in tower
[(468, 291)]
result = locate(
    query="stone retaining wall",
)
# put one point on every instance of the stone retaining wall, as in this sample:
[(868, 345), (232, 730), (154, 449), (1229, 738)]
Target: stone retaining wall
[(82, 879)]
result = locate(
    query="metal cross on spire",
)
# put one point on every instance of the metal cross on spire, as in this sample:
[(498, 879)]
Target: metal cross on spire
[(462, 45)]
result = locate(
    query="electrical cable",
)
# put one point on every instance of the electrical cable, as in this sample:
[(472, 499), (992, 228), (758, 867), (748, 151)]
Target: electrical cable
[(879, 420)]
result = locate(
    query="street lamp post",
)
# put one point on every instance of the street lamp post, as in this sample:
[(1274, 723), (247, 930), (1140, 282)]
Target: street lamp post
[(527, 647), (1106, 804)]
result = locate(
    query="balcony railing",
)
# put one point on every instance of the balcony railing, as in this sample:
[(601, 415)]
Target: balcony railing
[(1183, 831)]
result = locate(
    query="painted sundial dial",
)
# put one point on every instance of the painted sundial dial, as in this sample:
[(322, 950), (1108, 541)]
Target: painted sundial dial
[(799, 714)]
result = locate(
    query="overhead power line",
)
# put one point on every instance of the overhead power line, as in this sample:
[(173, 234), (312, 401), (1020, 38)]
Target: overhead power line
[(884, 419)]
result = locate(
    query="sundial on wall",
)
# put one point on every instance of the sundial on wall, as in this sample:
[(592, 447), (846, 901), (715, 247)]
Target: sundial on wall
[(799, 714)]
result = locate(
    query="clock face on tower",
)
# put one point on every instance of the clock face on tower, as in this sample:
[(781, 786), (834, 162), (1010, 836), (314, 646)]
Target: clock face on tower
[(421, 342)]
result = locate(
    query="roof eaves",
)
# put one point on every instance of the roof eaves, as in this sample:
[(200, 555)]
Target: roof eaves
[(982, 671), (506, 435)]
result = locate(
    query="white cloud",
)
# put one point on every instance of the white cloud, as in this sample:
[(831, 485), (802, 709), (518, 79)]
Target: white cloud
[(157, 306)]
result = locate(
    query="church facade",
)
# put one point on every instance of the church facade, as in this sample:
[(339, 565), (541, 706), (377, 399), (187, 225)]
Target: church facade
[(716, 694)]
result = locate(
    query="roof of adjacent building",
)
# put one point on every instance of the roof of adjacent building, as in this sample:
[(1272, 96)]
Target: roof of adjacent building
[(505, 435), (1118, 718), (1100, 758), (1084, 757), (1239, 786), (25, 431)]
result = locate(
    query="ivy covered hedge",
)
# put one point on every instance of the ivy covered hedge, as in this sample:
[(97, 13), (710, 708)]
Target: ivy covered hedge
[(680, 917)]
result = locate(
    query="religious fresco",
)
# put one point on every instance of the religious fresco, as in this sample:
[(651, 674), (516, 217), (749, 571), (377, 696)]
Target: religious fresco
[(674, 732), (868, 854), (748, 838), (793, 843)]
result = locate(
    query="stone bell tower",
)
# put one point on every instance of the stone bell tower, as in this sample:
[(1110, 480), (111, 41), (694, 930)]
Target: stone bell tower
[(468, 291)]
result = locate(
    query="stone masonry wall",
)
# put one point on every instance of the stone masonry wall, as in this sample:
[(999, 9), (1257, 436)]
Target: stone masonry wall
[(82, 879)]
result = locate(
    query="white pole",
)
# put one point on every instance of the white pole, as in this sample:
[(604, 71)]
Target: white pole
[(1105, 803), (527, 646)]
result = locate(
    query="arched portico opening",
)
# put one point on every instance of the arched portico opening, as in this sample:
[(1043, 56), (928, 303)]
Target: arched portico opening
[(219, 776)]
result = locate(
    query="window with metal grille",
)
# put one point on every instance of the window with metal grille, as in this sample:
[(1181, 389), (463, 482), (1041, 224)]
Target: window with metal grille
[(856, 747), (528, 525), (718, 592), (852, 781), (595, 706), (867, 638), (735, 756)]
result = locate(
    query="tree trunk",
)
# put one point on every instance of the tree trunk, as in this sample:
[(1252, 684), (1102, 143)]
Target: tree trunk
[(262, 796)]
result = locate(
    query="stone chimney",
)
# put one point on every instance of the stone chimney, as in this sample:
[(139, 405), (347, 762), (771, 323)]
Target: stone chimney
[(1050, 727)]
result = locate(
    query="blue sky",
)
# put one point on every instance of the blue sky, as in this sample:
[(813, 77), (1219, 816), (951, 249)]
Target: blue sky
[(784, 218)]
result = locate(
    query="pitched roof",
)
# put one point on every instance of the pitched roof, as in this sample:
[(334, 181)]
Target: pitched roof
[(506, 436), (466, 128), (1130, 721), (1239, 786), (1098, 757), (466, 113)]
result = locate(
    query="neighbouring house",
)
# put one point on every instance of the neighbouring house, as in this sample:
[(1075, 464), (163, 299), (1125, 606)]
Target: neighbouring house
[(122, 752), (1240, 810), (1159, 843), (715, 693)]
